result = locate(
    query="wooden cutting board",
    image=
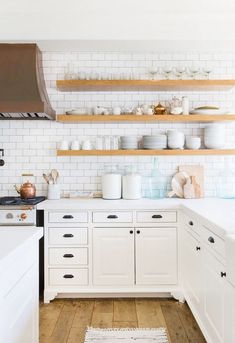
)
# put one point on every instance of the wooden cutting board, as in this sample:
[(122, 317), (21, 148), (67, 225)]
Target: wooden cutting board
[(198, 172)]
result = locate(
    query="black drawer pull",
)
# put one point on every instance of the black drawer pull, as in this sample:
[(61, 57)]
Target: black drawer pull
[(67, 216), (138, 231), (112, 216), (223, 274), (68, 256), (131, 232), (68, 235), (68, 276), (157, 216), (198, 248), (190, 223), (211, 239)]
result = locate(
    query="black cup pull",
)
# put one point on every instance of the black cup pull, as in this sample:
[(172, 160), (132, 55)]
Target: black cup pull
[(112, 216), (68, 235), (131, 232), (157, 216), (138, 232), (191, 223), (211, 239), (67, 216), (68, 256), (68, 276), (198, 248), (223, 274)]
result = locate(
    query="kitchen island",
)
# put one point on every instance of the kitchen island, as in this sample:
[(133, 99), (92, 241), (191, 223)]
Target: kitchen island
[(19, 294)]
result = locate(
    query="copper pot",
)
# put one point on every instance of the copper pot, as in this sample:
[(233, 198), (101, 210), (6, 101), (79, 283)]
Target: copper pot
[(27, 190), (159, 109)]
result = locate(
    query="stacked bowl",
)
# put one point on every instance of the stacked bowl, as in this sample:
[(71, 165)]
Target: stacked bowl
[(129, 142), (214, 136), (175, 139), (156, 142)]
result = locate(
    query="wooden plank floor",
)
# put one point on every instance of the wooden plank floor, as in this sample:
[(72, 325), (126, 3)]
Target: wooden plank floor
[(65, 320)]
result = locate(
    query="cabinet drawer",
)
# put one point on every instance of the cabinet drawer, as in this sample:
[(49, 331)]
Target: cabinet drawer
[(68, 277), (112, 217), (156, 217), (213, 241), (67, 236), (68, 256), (68, 217)]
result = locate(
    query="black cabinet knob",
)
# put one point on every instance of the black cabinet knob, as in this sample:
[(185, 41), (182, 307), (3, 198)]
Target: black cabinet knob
[(131, 232), (67, 216), (157, 216), (190, 223), (68, 256), (198, 248), (211, 239), (68, 276), (112, 216), (223, 274), (138, 232), (68, 235)]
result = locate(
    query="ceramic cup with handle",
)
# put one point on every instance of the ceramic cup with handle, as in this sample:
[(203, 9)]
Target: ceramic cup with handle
[(75, 145), (64, 145)]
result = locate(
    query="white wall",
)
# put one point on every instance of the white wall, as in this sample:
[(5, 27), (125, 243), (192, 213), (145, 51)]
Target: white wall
[(31, 146), (117, 20)]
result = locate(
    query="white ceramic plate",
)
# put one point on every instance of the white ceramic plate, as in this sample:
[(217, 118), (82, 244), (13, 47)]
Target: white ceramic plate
[(209, 112), (77, 112)]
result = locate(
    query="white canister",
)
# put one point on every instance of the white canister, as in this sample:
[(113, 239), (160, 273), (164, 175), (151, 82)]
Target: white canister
[(53, 192), (185, 105), (131, 186), (112, 186)]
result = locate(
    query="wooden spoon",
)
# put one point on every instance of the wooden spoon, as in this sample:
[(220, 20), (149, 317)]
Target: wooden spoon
[(46, 178), (54, 175)]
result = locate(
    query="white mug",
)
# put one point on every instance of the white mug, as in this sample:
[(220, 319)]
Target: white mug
[(75, 145), (116, 110), (64, 145), (86, 145)]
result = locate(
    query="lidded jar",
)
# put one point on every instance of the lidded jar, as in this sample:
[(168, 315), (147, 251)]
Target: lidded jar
[(131, 184), (111, 183)]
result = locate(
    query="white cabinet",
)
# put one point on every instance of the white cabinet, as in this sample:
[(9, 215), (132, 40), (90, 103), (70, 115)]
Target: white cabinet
[(192, 270), (113, 256), (156, 256), (214, 296), (229, 320), (141, 256)]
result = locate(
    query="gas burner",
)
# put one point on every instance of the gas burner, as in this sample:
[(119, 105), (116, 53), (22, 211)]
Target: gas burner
[(14, 201)]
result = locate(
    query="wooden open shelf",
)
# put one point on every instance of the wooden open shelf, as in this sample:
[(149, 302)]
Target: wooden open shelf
[(143, 118), (143, 85), (145, 152)]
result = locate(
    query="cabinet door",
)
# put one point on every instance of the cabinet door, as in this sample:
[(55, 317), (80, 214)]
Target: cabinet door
[(214, 293), (19, 310), (156, 256), (113, 256), (192, 261), (229, 329)]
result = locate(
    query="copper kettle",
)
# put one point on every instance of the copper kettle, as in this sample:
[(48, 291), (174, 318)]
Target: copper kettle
[(159, 109), (27, 190)]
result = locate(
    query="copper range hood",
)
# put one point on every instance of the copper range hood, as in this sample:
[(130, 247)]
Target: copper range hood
[(23, 92)]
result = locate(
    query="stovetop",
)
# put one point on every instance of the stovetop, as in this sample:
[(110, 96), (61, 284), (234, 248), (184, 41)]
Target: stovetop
[(16, 201)]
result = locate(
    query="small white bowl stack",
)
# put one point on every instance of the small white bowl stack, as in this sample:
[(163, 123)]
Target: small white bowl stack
[(214, 136), (155, 142), (129, 142), (176, 139)]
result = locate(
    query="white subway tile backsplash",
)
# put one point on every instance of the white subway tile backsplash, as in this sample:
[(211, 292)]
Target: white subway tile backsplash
[(30, 146)]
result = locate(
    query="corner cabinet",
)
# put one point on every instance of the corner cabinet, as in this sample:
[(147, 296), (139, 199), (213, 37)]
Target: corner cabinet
[(111, 252), (134, 256)]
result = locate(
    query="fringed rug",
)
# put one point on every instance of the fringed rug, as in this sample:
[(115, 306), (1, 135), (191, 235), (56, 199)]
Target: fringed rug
[(94, 335)]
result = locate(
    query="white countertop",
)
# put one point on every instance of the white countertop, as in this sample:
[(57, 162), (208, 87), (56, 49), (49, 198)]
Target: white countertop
[(216, 214), (14, 238)]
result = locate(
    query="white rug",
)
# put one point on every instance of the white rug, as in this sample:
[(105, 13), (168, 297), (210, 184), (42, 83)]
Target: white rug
[(94, 335)]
